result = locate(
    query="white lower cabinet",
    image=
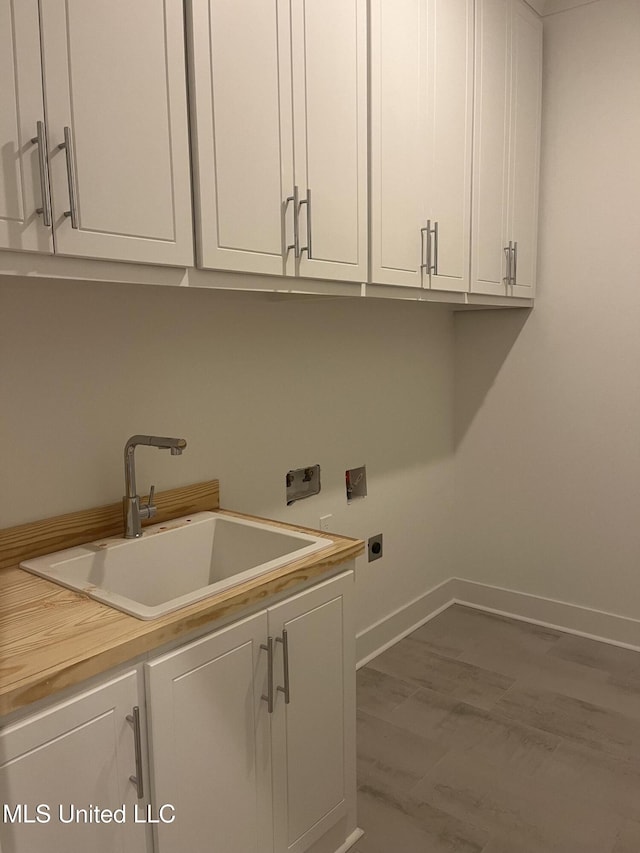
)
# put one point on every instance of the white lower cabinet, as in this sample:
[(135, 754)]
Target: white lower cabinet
[(210, 742), (313, 734), (249, 734), (252, 730), (76, 755)]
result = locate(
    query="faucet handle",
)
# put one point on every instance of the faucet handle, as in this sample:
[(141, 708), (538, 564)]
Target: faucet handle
[(148, 510)]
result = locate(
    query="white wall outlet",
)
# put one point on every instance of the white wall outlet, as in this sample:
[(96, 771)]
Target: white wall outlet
[(325, 521)]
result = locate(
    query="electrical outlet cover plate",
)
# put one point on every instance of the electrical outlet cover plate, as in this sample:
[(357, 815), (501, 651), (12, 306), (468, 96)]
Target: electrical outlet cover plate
[(374, 548)]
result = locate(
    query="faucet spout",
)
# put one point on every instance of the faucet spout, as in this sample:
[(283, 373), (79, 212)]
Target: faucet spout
[(134, 511)]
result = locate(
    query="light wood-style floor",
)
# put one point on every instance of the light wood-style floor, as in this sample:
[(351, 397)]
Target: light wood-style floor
[(481, 734)]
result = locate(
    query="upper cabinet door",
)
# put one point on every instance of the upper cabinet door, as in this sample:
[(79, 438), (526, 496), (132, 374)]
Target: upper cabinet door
[(448, 142), (329, 55), (491, 147), (525, 145), (398, 133), (241, 121), (421, 102), (23, 168), (507, 148), (115, 93)]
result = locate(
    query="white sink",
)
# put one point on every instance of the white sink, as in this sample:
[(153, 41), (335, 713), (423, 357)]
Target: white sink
[(175, 563)]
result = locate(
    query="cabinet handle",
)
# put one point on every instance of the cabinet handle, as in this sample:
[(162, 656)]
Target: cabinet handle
[(285, 663), (41, 141), (515, 264), (435, 251), (67, 145), (431, 263), (296, 225), (134, 719), (424, 263), (508, 253), (307, 248), (269, 650)]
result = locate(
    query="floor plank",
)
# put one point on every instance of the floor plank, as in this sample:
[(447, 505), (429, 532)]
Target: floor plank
[(628, 838), (395, 758), (378, 692), (401, 824), (580, 722), (482, 734), (410, 660)]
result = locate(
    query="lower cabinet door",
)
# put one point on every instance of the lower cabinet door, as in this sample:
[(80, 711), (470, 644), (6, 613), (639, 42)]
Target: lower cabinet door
[(62, 768), (209, 742), (313, 733)]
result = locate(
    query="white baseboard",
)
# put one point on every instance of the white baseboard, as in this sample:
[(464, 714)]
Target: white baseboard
[(356, 835), (571, 618), (387, 631)]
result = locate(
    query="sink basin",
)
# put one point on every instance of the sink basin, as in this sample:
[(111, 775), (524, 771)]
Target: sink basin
[(175, 563)]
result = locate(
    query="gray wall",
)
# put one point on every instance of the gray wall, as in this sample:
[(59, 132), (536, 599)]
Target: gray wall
[(548, 408), (257, 386)]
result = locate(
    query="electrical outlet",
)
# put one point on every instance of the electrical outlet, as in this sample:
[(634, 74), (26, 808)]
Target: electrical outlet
[(375, 547)]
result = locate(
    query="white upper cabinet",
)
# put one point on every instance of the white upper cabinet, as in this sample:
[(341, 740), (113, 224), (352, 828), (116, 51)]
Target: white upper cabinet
[(115, 100), (398, 117), (115, 95), (285, 142), (448, 150), (525, 145), (280, 128), (421, 102), (329, 56), (491, 145), (242, 132), (506, 148), (24, 184)]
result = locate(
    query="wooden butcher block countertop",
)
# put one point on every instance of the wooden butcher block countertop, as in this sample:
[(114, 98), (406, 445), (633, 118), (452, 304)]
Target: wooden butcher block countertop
[(52, 638)]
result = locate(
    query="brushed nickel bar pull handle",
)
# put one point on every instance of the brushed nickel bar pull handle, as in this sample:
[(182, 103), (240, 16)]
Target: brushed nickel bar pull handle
[(507, 250), (40, 139), (435, 253), (285, 664), (296, 225), (428, 266), (307, 248), (67, 145), (423, 263), (269, 650), (134, 719), (515, 264)]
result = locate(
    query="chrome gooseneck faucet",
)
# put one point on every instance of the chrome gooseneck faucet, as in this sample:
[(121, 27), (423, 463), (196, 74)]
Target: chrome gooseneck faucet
[(134, 511)]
